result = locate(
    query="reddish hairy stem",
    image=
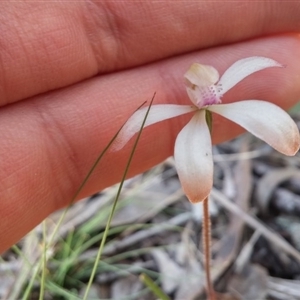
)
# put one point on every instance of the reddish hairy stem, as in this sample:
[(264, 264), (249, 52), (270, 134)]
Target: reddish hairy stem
[(206, 248)]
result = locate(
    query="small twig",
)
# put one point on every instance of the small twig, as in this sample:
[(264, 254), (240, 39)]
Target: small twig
[(256, 224), (115, 247), (244, 256)]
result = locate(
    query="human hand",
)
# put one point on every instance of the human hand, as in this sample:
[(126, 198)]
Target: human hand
[(72, 73)]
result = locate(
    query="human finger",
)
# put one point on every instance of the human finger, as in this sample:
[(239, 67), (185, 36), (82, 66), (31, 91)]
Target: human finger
[(49, 45), (48, 143)]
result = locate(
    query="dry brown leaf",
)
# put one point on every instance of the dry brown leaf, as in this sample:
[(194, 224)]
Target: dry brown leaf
[(283, 289), (256, 224), (182, 273), (171, 273), (286, 202), (250, 284), (229, 243), (269, 182), (127, 286)]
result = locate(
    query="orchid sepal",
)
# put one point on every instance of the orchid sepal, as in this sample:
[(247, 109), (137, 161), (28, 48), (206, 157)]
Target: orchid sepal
[(265, 120), (158, 113), (193, 158)]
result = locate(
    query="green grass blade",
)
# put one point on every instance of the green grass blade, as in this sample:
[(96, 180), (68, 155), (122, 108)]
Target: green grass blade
[(153, 287), (37, 268), (115, 203), (44, 260), (87, 177)]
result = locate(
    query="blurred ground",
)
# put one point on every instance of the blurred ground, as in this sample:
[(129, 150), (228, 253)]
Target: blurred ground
[(255, 213)]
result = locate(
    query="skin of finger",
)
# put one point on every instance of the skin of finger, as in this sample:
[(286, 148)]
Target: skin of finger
[(50, 142), (75, 41)]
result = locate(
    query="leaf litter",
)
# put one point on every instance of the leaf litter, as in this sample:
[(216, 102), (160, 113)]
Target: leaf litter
[(255, 230)]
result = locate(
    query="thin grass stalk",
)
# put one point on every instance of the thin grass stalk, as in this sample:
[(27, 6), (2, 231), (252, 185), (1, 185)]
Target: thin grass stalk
[(153, 287), (44, 259), (37, 268), (107, 227), (87, 177), (15, 292)]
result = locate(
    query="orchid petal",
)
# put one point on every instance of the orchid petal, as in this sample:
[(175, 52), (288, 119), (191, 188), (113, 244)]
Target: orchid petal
[(243, 68), (264, 120), (157, 113), (200, 85), (201, 75), (193, 158)]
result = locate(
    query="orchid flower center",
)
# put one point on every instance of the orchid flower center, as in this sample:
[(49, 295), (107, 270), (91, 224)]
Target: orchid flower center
[(202, 85), (205, 96)]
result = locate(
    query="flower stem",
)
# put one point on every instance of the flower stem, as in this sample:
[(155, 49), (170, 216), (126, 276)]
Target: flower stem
[(206, 225)]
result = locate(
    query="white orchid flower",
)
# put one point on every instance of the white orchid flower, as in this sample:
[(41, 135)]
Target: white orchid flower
[(193, 147)]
